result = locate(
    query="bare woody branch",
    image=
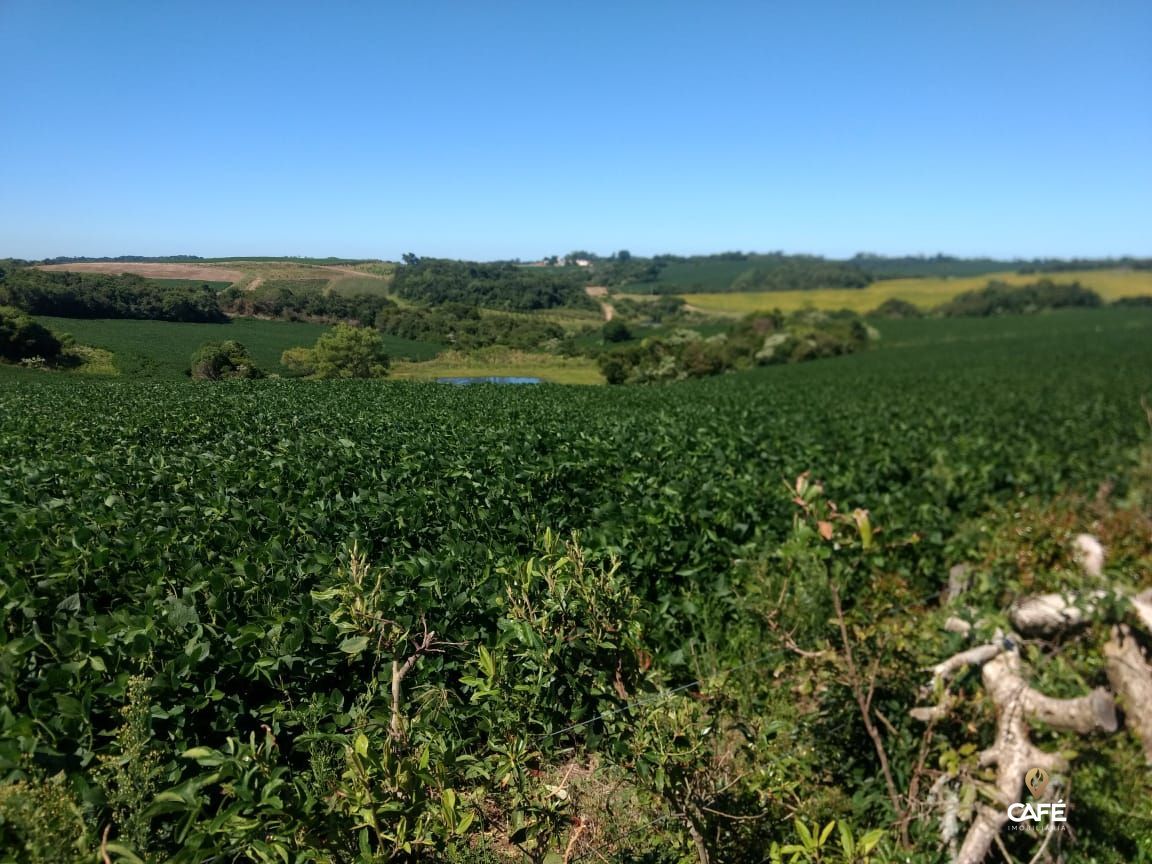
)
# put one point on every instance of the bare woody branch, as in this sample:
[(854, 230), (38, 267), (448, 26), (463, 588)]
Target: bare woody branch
[(1013, 753), (1130, 675)]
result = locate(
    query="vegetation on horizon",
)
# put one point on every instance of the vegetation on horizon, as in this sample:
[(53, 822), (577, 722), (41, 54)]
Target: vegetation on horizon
[(495, 285), (101, 295), (924, 293), (303, 300), (758, 340)]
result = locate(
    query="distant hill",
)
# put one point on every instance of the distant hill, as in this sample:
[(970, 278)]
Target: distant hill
[(556, 282), (743, 272), (188, 259)]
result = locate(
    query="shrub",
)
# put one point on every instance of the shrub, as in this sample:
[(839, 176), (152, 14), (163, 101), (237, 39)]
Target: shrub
[(299, 362), (759, 339), (1137, 302), (616, 331), (1000, 298), (896, 308), (343, 352), (217, 361), (22, 338)]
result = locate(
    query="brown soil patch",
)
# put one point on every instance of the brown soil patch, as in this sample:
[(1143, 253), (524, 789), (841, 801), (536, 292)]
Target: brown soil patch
[(204, 272), (596, 291)]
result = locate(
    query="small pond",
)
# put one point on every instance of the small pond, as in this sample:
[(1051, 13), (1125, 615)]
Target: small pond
[(490, 379)]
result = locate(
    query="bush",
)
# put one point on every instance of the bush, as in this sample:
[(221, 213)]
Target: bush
[(300, 362), (760, 339), (219, 361), (896, 308), (1140, 301), (343, 352), (22, 338), (1000, 298), (616, 331)]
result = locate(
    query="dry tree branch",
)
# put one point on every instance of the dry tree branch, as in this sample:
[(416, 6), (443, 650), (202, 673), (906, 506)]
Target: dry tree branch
[(1130, 675), (1018, 705), (426, 645), (1013, 753)]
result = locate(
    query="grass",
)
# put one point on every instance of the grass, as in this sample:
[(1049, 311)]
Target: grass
[(349, 285), (570, 320), (161, 349), (191, 283), (93, 361), (503, 362), (925, 293), (78, 360), (273, 270)]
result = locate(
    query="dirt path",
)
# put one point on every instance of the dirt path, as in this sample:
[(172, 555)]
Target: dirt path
[(351, 271), (599, 292)]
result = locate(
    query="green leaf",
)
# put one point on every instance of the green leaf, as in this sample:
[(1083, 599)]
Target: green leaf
[(487, 663), (123, 853), (868, 841), (205, 756), (846, 841), (354, 645), (805, 835), (825, 834)]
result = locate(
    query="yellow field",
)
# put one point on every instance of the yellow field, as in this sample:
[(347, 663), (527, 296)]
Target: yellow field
[(925, 293), (502, 362)]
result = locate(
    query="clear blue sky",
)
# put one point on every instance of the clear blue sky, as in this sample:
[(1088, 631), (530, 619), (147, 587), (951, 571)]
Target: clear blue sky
[(494, 129)]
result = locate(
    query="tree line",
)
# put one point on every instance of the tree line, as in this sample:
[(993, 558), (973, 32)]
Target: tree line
[(302, 299), (465, 326), (104, 295), (495, 285)]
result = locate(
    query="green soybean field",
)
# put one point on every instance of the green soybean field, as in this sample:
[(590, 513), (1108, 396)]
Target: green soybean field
[(351, 621)]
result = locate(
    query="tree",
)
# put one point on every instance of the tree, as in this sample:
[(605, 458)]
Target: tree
[(299, 362), (350, 352), (219, 361), (21, 337), (616, 331)]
